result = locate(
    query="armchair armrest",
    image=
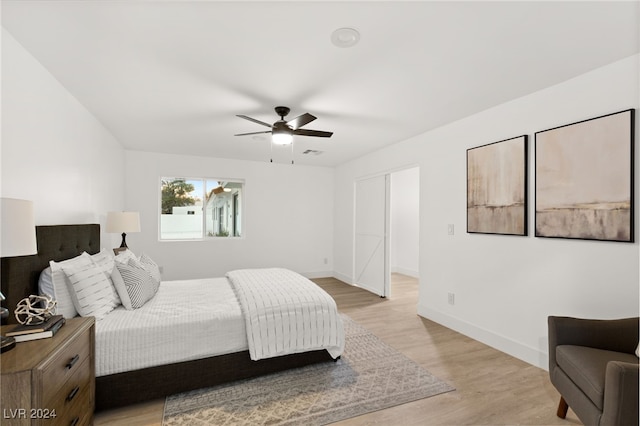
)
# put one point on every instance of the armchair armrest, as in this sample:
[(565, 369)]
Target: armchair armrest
[(620, 335), (621, 394)]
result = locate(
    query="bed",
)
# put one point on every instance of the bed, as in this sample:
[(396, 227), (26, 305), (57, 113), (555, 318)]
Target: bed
[(133, 383)]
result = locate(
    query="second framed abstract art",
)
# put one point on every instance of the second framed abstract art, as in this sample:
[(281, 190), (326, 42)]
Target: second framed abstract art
[(584, 179)]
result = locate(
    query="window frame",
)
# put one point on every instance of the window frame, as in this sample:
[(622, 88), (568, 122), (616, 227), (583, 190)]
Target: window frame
[(239, 195)]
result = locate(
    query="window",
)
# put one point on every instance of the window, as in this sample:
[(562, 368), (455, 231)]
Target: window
[(196, 209)]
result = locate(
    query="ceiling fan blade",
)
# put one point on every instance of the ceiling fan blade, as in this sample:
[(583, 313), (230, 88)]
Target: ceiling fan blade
[(252, 133), (254, 120), (301, 120), (317, 133)]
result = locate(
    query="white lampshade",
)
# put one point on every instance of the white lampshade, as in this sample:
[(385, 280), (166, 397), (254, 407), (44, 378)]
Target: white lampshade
[(123, 222), (18, 228)]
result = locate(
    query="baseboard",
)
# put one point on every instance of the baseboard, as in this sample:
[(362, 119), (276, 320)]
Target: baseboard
[(523, 352), (404, 271), (318, 274), (349, 281), (328, 274), (342, 277)]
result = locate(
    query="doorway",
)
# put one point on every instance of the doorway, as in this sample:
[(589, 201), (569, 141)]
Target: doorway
[(405, 222), (386, 229)]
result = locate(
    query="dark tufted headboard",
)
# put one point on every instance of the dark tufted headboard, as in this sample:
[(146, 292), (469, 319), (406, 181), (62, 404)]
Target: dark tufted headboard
[(20, 274)]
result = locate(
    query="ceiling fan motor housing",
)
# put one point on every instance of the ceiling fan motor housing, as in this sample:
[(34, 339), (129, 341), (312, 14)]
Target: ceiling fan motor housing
[(281, 126), (282, 111)]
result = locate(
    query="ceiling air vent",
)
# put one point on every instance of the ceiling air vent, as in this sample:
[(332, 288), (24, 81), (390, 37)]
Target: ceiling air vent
[(312, 152)]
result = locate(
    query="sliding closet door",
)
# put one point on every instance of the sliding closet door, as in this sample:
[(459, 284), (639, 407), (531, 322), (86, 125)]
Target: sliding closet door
[(370, 257)]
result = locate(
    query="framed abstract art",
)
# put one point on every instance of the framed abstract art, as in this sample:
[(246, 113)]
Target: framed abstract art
[(584, 179), (497, 187)]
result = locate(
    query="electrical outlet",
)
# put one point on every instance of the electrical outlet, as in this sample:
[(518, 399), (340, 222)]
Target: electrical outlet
[(451, 297), (450, 229), (326, 261), (161, 268)]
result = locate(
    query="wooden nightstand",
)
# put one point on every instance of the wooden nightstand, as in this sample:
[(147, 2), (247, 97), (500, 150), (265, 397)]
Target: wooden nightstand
[(51, 381)]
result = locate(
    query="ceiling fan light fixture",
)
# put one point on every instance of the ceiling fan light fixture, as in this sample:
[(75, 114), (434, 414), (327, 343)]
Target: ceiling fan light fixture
[(281, 138)]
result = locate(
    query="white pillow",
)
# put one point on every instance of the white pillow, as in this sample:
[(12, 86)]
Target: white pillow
[(60, 284), (124, 256), (140, 285), (151, 267), (45, 282), (105, 261), (92, 292)]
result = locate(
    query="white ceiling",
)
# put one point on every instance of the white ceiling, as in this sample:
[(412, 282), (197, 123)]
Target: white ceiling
[(170, 76)]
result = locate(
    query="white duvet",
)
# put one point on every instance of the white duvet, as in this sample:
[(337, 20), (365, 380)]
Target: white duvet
[(186, 320), (286, 313)]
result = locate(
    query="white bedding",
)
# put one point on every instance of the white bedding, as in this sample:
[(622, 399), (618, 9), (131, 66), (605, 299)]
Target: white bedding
[(186, 320), (286, 313)]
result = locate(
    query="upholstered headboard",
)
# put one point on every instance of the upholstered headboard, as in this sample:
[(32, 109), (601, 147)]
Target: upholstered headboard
[(20, 275)]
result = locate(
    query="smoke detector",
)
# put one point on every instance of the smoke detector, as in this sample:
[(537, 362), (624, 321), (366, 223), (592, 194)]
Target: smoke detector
[(345, 37)]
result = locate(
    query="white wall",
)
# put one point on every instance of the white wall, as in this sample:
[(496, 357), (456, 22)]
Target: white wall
[(405, 221), (506, 286), (54, 152), (287, 210)]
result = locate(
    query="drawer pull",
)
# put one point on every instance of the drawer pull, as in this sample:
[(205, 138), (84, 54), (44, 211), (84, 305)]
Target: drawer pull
[(73, 361), (75, 421), (73, 393)]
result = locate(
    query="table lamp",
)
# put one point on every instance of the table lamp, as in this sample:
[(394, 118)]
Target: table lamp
[(123, 222), (18, 235)]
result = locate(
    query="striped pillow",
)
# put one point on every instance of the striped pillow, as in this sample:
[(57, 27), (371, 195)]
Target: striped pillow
[(91, 291), (151, 267), (61, 286), (121, 288), (140, 285), (105, 261)]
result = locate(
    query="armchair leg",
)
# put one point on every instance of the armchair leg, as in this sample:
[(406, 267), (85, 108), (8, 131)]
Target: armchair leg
[(562, 408)]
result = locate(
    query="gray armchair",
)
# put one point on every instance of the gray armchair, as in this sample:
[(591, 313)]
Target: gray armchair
[(592, 363)]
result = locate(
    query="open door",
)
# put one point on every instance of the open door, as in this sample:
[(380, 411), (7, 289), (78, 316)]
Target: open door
[(371, 244)]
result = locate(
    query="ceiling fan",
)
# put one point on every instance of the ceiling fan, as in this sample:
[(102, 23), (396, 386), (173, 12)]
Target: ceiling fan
[(282, 131)]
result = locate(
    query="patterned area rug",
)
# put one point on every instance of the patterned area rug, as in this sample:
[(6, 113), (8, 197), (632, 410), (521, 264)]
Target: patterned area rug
[(369, 376)]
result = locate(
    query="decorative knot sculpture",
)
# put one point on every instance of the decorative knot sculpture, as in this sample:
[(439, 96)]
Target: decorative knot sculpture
[(34, 309)]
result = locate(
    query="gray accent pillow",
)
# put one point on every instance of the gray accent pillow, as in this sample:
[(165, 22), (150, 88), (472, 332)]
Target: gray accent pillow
[(140, 285)]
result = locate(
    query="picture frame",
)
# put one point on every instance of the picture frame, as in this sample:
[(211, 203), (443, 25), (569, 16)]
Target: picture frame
[(584, 179), (497, 186)]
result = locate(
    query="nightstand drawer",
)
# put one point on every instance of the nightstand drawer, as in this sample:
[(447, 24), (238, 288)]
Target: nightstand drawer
[(73, 405), (77, 388), (65, 365)]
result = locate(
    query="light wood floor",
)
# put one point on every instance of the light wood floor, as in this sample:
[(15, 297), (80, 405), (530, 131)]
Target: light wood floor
[(492, 388)]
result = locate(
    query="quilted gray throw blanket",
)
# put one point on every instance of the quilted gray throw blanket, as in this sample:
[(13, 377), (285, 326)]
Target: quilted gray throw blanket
[(286, 313)]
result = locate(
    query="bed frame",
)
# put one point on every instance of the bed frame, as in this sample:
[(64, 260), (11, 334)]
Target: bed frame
[(20, 275)]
